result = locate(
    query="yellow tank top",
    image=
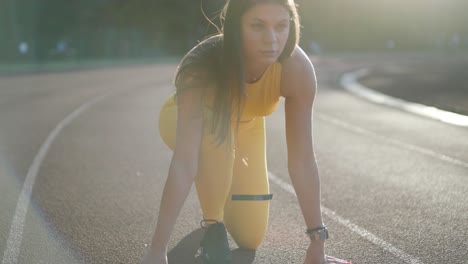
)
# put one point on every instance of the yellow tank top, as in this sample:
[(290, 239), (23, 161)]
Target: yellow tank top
[(263, 96)]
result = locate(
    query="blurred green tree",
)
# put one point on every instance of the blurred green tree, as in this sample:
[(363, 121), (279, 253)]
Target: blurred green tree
[(56, 29)]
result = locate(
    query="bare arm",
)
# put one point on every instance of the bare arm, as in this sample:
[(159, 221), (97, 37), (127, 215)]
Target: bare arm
[(299, 88), (183, 167)]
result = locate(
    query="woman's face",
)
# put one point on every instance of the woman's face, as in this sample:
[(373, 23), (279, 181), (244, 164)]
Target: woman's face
[(265, 30)]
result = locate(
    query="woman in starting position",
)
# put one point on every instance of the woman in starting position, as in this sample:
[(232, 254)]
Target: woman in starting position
[(215, 124)]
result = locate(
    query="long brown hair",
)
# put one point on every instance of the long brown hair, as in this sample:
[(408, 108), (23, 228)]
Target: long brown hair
[(218, 62)]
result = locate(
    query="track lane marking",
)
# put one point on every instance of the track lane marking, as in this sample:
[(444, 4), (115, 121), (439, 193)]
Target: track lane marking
[(349, 81), (15, 236), (17, 227), (407, 146), (353, 227)]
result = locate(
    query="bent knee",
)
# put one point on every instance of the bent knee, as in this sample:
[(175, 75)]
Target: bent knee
[(247, 231), (250, 243)]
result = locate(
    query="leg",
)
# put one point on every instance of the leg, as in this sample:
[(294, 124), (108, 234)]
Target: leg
[(215, 163), (247, 220), (214, 176)]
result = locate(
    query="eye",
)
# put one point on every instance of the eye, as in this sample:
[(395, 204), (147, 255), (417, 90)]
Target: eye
[(257, 26)]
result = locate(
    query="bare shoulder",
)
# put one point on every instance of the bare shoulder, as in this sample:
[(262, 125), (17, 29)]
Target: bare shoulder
[(298, 75)]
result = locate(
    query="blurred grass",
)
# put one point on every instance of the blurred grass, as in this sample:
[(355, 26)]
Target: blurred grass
[(72, 65)]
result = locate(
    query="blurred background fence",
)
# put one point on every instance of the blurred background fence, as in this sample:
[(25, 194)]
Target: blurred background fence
[(34, 31)]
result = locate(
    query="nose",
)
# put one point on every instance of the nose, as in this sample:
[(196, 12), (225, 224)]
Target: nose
[(270, 36)]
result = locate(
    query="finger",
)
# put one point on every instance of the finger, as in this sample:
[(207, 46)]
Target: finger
[(333, 260)]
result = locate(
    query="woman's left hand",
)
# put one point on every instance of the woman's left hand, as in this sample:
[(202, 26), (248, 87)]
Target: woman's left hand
[(333, 260), (316, 255)]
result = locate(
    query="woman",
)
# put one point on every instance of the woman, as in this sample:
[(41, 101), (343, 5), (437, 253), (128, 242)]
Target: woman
[(225, 86)]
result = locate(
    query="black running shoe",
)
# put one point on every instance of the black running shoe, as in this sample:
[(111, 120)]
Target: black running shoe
[(214, 245)]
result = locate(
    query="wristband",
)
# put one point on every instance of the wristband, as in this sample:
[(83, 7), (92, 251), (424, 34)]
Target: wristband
[(317, 233)]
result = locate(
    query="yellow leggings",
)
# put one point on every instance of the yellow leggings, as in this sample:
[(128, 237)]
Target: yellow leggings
[(231, 186)]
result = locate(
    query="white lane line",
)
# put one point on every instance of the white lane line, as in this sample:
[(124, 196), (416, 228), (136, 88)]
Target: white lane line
[(353, 227), (15, 237), (16, 231), (421, 150), (350, 83)]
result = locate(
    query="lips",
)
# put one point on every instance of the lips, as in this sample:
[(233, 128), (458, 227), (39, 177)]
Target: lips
[(268, 52)]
